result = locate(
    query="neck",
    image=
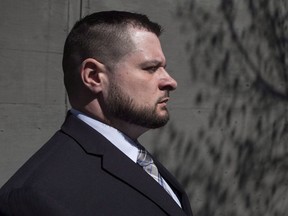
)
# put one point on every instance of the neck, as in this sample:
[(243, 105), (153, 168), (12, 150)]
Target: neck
[(131, 130)]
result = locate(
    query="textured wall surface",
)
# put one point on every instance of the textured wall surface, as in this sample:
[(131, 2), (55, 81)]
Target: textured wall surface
[(32, 97), (226, 141)]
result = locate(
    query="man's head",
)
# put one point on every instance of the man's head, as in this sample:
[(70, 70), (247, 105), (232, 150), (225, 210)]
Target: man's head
[(103, 36), (114, 71)]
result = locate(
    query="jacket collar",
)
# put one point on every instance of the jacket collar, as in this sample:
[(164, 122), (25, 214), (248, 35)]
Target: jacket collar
[(119, 165)]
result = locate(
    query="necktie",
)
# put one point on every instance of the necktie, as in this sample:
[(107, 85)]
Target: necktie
[(145, 160)]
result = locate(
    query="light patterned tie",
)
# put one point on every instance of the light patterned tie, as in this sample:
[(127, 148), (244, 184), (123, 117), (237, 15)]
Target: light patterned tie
[(145, 160)]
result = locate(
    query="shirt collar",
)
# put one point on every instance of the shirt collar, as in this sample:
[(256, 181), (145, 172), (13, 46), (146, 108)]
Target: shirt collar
[(116, 137)]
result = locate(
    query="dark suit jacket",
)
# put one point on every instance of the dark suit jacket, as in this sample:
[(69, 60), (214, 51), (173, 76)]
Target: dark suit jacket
[(79, 172)]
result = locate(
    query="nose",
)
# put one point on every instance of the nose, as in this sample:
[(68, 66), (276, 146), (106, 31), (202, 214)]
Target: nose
[(167, 82)]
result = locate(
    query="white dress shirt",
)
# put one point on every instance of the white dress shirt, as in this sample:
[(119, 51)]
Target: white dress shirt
[(119, 140)]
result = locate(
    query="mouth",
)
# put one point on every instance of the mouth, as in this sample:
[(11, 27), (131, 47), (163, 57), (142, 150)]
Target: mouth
[(163, 100)]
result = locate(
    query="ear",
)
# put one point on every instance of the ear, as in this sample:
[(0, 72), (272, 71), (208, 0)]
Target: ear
[(93, 74)]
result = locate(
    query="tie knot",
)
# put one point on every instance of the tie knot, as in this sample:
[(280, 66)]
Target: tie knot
[(147, 163), (144, 158)]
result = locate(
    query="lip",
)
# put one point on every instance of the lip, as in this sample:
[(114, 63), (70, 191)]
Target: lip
[(163, 100)]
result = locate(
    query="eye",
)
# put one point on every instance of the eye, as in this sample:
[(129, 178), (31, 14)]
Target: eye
[(151, 69)]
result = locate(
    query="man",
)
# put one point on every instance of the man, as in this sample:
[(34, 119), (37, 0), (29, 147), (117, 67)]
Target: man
[(114, 73)]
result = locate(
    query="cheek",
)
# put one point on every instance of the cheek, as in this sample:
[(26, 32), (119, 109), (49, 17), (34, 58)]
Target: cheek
[(139, 86), (134, 87)]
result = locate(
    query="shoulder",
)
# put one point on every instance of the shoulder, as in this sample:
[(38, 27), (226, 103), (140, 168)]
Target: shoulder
[(27, 201)]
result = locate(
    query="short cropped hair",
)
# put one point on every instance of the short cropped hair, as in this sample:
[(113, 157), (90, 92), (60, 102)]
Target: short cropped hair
[(103, 36)]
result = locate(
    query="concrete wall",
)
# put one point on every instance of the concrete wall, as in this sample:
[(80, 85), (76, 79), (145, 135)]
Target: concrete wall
[(32, 96)]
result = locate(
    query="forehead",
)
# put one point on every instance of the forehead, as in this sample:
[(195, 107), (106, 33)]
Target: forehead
[(146, 46)]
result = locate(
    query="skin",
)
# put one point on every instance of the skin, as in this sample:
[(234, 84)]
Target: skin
[(139, 82)]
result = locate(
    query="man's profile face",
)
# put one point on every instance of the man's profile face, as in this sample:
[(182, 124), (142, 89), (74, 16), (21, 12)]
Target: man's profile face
[(139, 85)]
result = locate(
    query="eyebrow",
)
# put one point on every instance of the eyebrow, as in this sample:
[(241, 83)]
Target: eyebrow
[(152, 63)]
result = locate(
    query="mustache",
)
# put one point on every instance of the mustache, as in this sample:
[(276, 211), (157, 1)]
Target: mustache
[(164, 98)]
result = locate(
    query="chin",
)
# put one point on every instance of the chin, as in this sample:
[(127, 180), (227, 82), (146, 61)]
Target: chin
[(163, 113)]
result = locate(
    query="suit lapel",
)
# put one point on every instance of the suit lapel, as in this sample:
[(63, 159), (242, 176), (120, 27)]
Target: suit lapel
[(176, 187), (119, 165), (116, 163)]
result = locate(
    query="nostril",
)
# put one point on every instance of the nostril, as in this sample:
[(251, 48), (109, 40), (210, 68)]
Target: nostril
[(168, 86), (167, 83)]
